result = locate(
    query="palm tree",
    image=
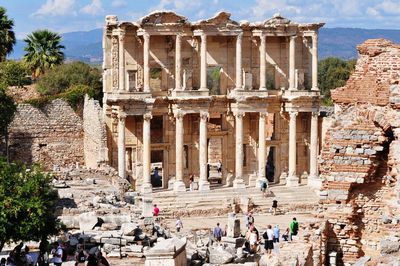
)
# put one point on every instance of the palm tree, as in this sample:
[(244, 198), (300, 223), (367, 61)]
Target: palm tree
[(43, 49), (7, 36)]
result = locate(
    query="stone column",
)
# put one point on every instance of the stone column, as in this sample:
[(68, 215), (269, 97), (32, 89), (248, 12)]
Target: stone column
[(239, 61), (121, 145), (179, 185), (238, 182), (146, 55), (121, 61), (261, 149), (314, 78), (292, 62), (292, 179), (263, 61), (204, 185), (146, 186), (313, 179), (203, 62), (178, 62)]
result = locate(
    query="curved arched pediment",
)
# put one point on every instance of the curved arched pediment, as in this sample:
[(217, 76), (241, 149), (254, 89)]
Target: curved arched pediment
[(221, 20), (163, 17)]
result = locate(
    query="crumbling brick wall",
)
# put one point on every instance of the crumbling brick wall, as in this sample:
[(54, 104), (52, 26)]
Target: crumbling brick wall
[(50, 135), (360, 158)]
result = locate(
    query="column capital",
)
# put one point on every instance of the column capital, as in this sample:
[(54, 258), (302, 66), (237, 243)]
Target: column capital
[(121, 35), (240, 36), (293, 38), (122, 117), (147, 116), (204, 115), (239, 114), (293, 114), (263, 115), (315, 114), (146, 36), (179, 115)]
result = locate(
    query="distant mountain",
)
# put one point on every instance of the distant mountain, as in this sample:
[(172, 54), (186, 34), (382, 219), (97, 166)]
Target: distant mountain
[(339, 42)]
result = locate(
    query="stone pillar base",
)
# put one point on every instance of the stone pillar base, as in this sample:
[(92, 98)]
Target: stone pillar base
[(260, 180), (204, 185), (238, 183), (146, 188), (179, 186), (147, 206), (314, 182), (292, 181)]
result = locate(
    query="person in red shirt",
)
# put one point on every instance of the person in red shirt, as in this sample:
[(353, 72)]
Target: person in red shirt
[(156, 210)]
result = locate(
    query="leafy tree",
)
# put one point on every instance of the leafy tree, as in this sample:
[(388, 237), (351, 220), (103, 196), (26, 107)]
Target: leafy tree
[(27, 204), (7, 110), (333, 72), (65, 76), (7, 35), (14, 73), (43, 49)]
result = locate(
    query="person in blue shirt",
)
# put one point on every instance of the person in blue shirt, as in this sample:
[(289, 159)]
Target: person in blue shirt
[(276, 234), (217, 233)]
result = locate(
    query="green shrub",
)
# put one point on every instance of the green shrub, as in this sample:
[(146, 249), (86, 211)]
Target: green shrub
[(65, 76), (14, 73)]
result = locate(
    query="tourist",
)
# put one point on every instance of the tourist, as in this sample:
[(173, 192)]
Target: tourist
[(225, 232), (286, 234), (268, 240), (156, 210), (191, 180), (264, 186), (274, 206), (250, 218), (276, 234), (294, 228), (178, 225), (80, 256), (57, 253), (27, 257), (208, 171), (217, 233), (3, 262), (101, 260), (253, 240), (91, 260), (246, 220), (219, 167)]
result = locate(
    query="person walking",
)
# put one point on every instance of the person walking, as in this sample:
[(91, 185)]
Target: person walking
[(178, 225), (274, 206), (294, 228), (276, 234), (80, 256), (217, 233), (219, 167), (269, 240), (57, 253), (286, 234)]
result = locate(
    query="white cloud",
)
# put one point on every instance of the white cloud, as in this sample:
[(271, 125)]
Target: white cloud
[(262, 8), (93, 8), (119, 3), (56, 8), (389, 7)]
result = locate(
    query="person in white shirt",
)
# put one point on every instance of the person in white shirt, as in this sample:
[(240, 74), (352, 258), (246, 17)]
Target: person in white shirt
[(178, 225), (57, 253), (269, 239)]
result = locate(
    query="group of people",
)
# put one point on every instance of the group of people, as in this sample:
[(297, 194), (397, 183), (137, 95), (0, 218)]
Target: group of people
[(18, 256)]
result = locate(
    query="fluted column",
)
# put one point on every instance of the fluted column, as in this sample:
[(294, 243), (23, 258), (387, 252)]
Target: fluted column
[(292, 179), (261, 149), (178, 62), (121, 61), (203, 62), (239, 61), (292, 62), (313, 179), (121, 145), (146, 55), (146, 187), (204, 185), (314, 50), (263, 61), (238, 182), (179, 185)]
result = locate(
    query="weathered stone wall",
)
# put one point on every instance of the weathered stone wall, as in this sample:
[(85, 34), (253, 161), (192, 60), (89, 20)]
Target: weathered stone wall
[(360, 158), (51, 135), (95, 135)]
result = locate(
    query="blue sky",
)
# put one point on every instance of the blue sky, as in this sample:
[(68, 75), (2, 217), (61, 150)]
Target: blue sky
[(76, 15)]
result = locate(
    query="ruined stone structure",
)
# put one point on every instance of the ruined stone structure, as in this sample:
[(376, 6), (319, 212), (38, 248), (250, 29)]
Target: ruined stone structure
[(360, 158), (187, 94)]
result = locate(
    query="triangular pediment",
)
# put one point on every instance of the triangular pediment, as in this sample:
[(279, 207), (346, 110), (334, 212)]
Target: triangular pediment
[(277, 19)]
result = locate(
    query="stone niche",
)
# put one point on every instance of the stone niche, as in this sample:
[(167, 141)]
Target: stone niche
[(169, 252)]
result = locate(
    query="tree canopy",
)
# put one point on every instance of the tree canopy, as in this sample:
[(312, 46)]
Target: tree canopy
[(27, 204), (7, 35), (333, 72), (43, 49), (7, 110), (14, 73)]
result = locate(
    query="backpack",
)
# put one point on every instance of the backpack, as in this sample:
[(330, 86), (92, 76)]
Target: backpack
[(81, 256), (264, 185), (265, 235), (64, 255), (295, 228)]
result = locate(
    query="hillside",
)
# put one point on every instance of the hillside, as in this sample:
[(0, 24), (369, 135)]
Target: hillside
[(340, 42)]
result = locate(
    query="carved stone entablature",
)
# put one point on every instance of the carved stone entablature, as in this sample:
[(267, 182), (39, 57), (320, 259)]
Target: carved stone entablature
[(165, 18)]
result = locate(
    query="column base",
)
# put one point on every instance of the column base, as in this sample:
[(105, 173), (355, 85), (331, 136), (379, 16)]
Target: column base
[(315, 89), (146, 188), (260, 180), (203, 89), (238, 183), (314, 182), (147, 206), (204, 185), (292, 181), (179, 186)]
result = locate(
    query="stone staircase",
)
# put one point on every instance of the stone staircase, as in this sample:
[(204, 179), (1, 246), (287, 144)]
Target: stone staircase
[(219, 200)]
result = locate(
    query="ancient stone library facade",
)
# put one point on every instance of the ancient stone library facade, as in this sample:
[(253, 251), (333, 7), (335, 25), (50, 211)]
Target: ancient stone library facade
[(179, 95)]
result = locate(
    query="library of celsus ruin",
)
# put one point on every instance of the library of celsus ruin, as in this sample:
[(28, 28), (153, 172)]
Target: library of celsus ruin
[(182, 97)]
